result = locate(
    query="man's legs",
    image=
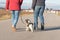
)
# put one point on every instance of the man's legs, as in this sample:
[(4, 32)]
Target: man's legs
[(36, 14), (41, 16)]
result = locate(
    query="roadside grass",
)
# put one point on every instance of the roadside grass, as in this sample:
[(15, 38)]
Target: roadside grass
[(4, 15)]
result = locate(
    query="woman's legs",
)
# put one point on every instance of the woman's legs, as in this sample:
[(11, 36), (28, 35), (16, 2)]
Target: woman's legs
[(15, 17)]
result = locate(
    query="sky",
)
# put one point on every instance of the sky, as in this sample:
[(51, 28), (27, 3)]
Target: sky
[(55, 4)]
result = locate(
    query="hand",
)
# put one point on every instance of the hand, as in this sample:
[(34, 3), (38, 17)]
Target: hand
[(32, 9), (6, 10)]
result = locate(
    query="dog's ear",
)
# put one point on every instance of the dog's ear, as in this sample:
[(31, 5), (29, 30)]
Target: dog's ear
[(26, 20)]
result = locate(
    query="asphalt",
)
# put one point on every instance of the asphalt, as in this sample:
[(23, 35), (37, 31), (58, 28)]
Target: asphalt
[(51, 32)]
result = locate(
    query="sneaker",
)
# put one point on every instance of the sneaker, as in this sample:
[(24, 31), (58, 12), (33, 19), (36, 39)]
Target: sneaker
[(13, 29), (35, 28), (42, 27)]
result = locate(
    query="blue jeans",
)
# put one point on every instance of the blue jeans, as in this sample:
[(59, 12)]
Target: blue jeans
[(38, 12), (15, 17)]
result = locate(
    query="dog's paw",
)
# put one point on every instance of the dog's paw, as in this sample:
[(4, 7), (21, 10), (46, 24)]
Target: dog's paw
[(32, 31), (28, 30)]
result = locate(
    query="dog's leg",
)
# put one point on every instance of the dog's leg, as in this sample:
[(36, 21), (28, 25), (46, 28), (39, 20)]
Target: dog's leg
[(31, 27)]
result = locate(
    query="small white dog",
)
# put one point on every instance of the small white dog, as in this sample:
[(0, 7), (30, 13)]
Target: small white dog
[(29, 25)]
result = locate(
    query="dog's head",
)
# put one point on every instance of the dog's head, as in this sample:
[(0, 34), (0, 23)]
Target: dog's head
[(27, 21)]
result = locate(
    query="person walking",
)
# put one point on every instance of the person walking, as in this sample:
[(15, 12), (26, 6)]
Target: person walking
[(14, 6), (38, 6)]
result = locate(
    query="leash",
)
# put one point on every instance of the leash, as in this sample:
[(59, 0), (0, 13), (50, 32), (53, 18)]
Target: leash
[(22, 20)]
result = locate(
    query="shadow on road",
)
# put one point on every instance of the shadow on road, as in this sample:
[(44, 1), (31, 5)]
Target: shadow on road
[(20, 29), (53, 28), (39, 29)]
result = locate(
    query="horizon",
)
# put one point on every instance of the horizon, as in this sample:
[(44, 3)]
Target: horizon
[(28, 4)]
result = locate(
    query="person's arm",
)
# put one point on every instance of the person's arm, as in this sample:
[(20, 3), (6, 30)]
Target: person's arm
[(7, 4), (21, 2), (34, 4)]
